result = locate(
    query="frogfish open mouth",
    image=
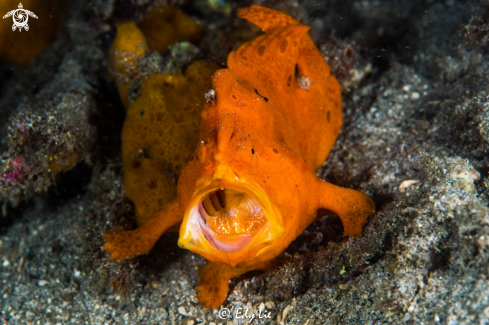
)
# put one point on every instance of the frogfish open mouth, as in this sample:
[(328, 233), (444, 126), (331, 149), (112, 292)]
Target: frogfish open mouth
[(229, 215), (250, 187)]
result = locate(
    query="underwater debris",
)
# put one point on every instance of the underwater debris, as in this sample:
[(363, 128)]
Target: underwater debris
[(341, 57), (344, 60), (49, 143), (453, 172), (477, 30), (48, 134)]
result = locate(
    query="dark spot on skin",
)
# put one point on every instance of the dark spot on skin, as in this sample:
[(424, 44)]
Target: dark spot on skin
[(264, 181), (234, 97), (191, 158), (146, 153), (283, 46), (264, 98), (152, 185), (244, 57), (141, 113), (252, 151), (136, 164), (261, 50), (275, 151), (328, 115), (249, 135), (289, 81), (168, 84), (138, 238), (197, 157), (170, 175)]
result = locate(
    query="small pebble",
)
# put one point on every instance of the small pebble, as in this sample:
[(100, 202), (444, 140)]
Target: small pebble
[(210, 96), (182, 311), (286, 312), (42, 283), (344, 286), (406, 184), (415, 95)]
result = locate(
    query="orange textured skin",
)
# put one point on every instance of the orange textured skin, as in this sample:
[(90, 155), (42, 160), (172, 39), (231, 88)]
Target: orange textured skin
[(269, 130)]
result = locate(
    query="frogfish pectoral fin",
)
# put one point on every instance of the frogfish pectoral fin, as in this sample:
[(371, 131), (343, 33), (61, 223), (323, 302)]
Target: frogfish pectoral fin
[(214, 284), (123, 244), (353, 207), (214, 280)]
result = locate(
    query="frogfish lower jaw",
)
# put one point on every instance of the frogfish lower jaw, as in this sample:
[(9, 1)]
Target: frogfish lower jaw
[(230, 219)]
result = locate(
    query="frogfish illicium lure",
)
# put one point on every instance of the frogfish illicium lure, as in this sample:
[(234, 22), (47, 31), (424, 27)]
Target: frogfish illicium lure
[(250, 186)]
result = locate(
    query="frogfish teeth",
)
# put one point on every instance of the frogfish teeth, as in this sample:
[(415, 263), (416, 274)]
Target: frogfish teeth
[(250, 188)]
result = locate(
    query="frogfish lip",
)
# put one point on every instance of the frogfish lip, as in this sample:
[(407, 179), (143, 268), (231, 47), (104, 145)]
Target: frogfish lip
[(230, 218)]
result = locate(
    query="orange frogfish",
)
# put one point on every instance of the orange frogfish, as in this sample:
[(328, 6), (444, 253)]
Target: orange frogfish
[(250, 187)]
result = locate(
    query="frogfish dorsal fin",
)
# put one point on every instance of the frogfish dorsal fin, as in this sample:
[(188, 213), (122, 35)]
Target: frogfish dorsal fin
[(268, 62), (266, 18), (286, 68), (310, 60)]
